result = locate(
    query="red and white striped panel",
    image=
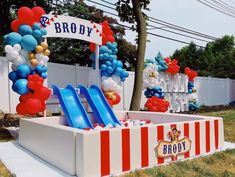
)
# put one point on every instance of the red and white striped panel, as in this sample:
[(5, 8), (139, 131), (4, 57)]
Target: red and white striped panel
[(119, 150)]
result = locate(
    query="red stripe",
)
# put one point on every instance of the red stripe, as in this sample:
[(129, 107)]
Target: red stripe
[(105, 153), (208, 146), (197, 138), (186, 134), (160, 136), (216, 126), (126, 150), (144, 147), (173, 126)]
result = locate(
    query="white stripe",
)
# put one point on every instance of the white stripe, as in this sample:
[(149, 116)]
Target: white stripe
[(192, 138), (152, 140), (167, 128), (202, 137), (88, 154), (180, 127), (212, 135), (221, 133), (115, 151), (135, 147)]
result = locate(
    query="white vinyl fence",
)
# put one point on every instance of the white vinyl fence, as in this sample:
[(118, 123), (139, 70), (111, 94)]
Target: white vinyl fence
[(210, 91)]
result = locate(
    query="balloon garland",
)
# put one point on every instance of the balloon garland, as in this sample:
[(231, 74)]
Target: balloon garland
[(156, 101), (112, 72), (193, 105), (28, 54)]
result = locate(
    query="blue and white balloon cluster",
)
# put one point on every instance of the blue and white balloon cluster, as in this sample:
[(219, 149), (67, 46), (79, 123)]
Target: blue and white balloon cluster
[(21, 43), (156, 91), (109, 64), (159, 61)]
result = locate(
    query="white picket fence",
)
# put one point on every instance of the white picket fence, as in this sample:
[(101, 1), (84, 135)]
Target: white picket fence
[(210, 91)]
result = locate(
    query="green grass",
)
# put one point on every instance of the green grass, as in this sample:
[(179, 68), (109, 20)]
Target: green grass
[(221, 164)]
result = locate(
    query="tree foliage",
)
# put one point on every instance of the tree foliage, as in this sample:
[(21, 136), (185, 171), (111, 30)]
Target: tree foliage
[(217, 59)]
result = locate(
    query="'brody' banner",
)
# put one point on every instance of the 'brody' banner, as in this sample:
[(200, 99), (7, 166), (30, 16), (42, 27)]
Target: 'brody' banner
[(71, 27)]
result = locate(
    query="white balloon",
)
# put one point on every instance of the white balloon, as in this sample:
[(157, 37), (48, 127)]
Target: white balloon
[(41, 63), (24, 53), (17, 47), (20, 60), (8, 48), (116, 79), (13, 55), (46, 59)]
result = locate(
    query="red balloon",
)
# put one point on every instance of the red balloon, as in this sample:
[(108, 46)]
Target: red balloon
[(33, 105), (15, 24), (110, 38), (26, 96), (26, 15), (43, 94), (38, 12), (117, 100), (110, 102), (20, 109), (92, 47), (43, 108)]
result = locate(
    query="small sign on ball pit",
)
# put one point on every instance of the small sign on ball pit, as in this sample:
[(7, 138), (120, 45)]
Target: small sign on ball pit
[(173, 147)]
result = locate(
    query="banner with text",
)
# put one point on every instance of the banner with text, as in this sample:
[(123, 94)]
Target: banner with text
[(71, 27)]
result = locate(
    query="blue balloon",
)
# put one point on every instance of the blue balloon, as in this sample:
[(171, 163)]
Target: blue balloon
[(105, 56), (13, 38), (23, 71), (119, 64), (44, 75), (44, 69), (112, 57), (25, 29), (39, 69), (43, 31), (20, 86), (108, 63), (109, 69), (37, 34), (126, 74), (118, 70), (105, 49), (28, 42), (103, 67), (36, 26), (13, 76)]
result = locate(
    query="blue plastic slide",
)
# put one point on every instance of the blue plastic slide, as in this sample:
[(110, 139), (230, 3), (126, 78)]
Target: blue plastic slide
[(99, 105), (72, 107)]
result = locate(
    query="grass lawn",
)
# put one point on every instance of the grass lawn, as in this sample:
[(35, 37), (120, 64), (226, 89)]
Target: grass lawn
[(221, 164)]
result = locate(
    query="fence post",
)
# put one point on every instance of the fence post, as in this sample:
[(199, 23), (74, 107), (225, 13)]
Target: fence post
[(228, 82)]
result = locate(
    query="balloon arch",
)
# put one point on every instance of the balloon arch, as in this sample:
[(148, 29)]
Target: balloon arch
[(29, 54)]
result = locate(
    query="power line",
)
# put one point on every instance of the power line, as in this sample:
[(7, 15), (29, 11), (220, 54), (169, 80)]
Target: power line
[(175, 27), (128, 27), (212, 7), (161, 22)]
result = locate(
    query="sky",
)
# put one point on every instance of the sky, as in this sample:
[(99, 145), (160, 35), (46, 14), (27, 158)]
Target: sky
[(190, 14)]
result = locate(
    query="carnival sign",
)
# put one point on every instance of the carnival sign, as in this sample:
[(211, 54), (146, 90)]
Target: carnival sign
[(71, 27), (174, 147)]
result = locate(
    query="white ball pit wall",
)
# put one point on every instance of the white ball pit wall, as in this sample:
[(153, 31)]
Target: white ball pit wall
[(114, 151)]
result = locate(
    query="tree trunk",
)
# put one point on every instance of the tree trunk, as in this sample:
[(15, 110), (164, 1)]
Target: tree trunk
[(141, 42)]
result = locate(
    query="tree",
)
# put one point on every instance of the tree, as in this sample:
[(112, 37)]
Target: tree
[(131, 11), (216, 60)]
